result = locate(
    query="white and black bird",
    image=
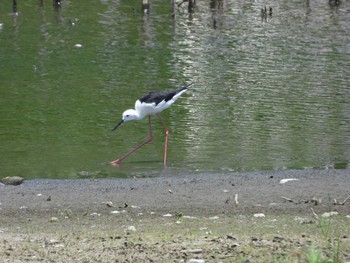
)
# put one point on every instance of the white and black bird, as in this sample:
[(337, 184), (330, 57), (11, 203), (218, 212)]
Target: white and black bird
[(150, 104)]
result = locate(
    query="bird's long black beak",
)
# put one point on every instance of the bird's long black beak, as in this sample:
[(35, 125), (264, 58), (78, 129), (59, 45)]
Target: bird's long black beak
[(120, 123)]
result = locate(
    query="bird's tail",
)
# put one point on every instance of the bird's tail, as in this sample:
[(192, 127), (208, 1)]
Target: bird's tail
[(184, 87)]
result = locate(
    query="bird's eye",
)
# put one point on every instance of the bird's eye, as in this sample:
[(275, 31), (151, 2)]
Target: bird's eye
[(127, 115)]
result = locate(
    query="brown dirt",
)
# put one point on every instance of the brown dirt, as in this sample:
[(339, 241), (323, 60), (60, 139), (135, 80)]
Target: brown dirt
[(210, 217)]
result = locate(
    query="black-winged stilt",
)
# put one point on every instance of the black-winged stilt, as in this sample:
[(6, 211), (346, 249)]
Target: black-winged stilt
[(150, 104)]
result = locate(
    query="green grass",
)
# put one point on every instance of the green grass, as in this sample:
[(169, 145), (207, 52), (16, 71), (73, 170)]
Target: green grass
[(330, 234)]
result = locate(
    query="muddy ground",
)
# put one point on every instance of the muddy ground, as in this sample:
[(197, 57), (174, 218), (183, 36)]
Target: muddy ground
[(237, 217)]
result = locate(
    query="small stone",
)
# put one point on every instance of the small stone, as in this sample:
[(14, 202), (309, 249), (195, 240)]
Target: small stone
[(231, 237), (315, 201), (53, 242), (234, 245), (196, 260), (53, 219), (78, 45), (109, 204), (259, 215), (59, 246), (329, 214), (131, 229), (277, 239), (95, 214), (192, 251), (12, 180), (167, 215), (115, 212), (283, 181)]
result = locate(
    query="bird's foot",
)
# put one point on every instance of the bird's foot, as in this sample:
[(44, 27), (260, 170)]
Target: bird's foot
[(116, 162)]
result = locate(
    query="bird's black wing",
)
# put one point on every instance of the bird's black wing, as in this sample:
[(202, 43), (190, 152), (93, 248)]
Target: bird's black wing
[(158, 96)]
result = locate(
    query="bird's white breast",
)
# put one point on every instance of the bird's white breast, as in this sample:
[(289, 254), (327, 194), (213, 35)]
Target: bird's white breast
[(145, 109)]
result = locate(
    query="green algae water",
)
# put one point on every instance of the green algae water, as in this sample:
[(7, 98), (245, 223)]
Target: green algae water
[(272, 91)]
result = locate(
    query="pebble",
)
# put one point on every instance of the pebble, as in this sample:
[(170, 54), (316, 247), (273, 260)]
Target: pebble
[(12, 180), (329, 214), (192, 251), (283, 181), (78, 45), (131, 229), (59, 246), (277, 239), (95, 214), (195, 260), (230, 237), (259, 215), (53, 219), (53, 242), (167, 215), (108, 203)]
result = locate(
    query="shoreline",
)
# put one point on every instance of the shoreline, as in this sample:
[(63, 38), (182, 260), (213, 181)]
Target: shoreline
[(203, 193), (237, 217)]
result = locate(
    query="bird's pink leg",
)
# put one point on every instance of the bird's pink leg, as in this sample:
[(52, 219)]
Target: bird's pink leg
[(166, 138), (119, 160)]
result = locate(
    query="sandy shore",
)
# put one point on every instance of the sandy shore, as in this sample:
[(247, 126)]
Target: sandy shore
[(205, 206), (206, 194)]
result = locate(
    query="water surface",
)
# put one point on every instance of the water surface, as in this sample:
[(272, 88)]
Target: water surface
[(271, 92)]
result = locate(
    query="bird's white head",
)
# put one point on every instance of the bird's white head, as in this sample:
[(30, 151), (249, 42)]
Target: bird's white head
[(128, 115)]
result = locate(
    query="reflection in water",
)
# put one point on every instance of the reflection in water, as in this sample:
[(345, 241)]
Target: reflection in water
[(271, 87)]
